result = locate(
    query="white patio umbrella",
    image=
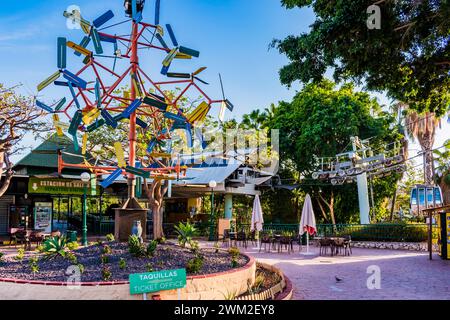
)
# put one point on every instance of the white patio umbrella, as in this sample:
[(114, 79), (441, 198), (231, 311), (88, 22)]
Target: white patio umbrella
[(307, 222), (257, 218)]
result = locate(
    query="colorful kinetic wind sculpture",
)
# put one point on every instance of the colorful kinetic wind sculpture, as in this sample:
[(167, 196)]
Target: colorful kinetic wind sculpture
[(94, 104)]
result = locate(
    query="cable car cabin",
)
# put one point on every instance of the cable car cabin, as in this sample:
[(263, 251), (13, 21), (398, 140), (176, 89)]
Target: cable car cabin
[(425, 197)]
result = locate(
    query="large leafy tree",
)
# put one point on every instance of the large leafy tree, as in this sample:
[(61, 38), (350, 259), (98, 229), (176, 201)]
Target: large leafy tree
[(408, 57), (319, 123), (18, 116)]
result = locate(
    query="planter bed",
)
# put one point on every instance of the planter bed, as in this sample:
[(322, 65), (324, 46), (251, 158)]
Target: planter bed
[(167, 256)]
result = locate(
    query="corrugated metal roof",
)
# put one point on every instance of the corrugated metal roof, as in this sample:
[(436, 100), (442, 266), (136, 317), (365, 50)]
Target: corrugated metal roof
[(46, 154), (206, 174)]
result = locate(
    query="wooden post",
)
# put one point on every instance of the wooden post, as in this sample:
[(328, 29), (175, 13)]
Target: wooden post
[(430, 234)]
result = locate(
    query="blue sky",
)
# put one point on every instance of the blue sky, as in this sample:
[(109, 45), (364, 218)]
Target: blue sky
[(233, 37)]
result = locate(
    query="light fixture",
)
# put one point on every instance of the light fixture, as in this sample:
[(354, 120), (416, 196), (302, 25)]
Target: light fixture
[(85, 177), (212, 184)]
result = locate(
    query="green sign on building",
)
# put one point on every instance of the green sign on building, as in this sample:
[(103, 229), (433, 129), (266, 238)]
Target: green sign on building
[(157, 281), (59, 186)]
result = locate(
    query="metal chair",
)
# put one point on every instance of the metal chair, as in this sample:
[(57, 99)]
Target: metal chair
[(242, 238), (326, 243)]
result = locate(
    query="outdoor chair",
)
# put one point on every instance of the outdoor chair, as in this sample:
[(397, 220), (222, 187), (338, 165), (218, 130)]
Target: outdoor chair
[(13, 235), (339, 246), (229, 237), (285, 242), (36, 237), (23, 237), (242, 238), (266, 240), (252, 237), (56, 233), (326, 244), (348, 245)]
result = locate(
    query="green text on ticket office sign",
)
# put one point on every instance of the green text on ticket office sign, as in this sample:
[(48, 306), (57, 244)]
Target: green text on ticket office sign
[(157, 281)]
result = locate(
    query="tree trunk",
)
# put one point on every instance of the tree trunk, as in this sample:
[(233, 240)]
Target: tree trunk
[(6, 180), (155, 195), (426, 143), (394, 198)]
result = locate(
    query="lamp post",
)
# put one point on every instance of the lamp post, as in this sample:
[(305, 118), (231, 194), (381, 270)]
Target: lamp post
[(85, 178), (212, 185)]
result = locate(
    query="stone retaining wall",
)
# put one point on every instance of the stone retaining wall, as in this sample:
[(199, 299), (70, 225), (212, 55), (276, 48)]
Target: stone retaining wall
[(411, 246), (212, 287)]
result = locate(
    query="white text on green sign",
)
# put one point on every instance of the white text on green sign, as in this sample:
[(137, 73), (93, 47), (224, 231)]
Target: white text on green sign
[(157, 281)]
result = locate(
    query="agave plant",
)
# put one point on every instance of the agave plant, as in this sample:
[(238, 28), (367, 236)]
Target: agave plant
[(55, 246), (186, 233)]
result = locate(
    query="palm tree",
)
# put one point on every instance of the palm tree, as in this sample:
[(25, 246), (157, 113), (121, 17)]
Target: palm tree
[(423, 128), (254, 120), (442, 176)]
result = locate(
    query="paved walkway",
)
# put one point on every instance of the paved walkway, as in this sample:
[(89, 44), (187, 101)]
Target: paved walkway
[(404, 275)]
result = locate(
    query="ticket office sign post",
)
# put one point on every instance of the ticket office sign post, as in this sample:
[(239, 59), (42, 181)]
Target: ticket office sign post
[(143, 283)]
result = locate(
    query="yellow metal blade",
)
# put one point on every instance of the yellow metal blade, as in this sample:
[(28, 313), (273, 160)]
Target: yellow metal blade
[(84, 144), (168, 60), (89, 117), (88, 165), (160, 30), (120, 155), (59, 130), (183, 56), (200, 113), (199, 71), (78, 48), (48, 81)]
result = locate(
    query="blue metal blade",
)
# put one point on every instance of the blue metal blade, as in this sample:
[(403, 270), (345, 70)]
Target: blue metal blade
[(72, 91), (74, 79), (172, 35), (157, 11), (44, 106), (62, 53), (110, 121), (131, 108), (111, 178), (108, 15)]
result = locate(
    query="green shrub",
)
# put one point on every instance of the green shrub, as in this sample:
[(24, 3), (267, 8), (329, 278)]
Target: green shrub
[(106, 249), (151, 248), (194, 265), (195, 247), (106, 273), (39, 248), (110, 237), (122, 264), (161, 240), (73, 245), (186, 233), (234, 252), (1, 257), (71, 257), (20, 254), (234, 262), (104, 258), (401, 232), (135, 247), (81, 268), (149, 267), (55, 246), (33, 263)]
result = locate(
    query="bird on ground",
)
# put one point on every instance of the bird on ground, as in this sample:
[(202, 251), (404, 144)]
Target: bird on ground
[(338, 279)]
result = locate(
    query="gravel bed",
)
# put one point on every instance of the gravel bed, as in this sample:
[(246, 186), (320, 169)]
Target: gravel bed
[(167, 256)]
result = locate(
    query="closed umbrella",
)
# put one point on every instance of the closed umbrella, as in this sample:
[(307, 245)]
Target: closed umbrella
[(307, 222), (257, 218)]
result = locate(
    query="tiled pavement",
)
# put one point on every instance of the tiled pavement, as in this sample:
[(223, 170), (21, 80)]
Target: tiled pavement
[(404, 274)]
